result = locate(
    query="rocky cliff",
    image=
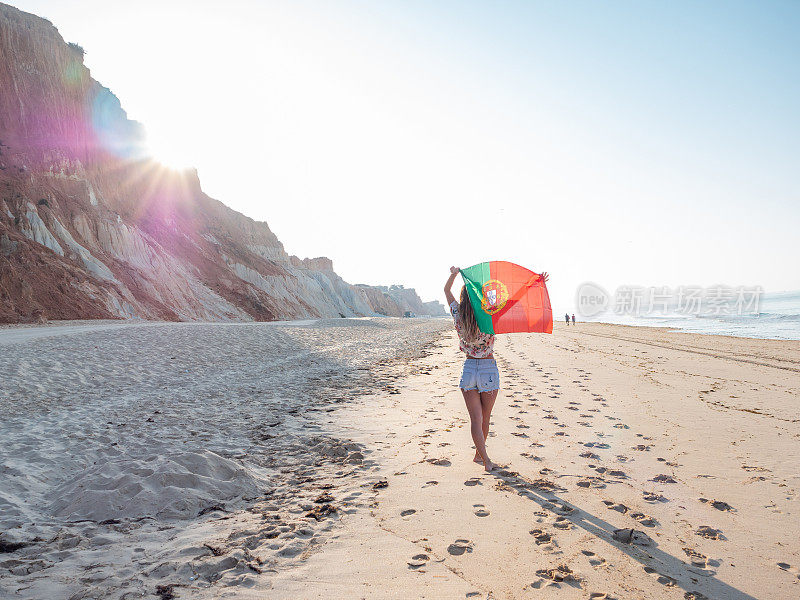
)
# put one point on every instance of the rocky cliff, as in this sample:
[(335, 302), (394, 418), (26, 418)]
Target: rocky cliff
[(396, 301), (91, 228)]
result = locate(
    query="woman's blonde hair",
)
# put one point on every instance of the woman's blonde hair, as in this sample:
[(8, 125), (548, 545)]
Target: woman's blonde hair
[(467, 316)]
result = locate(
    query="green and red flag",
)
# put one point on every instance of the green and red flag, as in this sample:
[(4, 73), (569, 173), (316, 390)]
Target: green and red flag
[(507, 298)]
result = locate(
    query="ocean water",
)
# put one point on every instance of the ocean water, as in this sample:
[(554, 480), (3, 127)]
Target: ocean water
[(778, 318)]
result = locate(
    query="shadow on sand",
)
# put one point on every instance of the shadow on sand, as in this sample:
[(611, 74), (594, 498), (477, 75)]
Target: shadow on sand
[(697, 583)]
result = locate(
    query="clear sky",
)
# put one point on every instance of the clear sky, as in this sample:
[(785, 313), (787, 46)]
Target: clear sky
[(625, 143)]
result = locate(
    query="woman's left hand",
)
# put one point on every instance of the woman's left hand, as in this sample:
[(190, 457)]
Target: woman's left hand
[(545, 276)]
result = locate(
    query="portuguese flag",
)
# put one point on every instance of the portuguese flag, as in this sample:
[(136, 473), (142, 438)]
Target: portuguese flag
[(508, 298)]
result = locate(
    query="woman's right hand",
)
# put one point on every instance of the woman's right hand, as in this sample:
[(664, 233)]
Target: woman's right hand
[(449, 294)]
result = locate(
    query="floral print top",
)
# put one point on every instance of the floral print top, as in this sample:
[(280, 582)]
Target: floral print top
[(481, 347)]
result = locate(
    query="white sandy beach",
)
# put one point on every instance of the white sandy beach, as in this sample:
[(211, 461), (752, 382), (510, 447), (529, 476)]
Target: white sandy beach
[(197, 460), (142, 454)]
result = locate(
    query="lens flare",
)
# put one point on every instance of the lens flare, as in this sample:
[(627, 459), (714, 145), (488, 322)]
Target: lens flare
[(169, 151)]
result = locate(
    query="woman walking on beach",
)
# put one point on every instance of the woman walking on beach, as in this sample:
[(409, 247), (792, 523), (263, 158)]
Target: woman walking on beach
[(480, 379)]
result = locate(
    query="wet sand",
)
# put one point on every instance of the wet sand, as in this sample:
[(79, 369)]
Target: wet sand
[(332, 459)]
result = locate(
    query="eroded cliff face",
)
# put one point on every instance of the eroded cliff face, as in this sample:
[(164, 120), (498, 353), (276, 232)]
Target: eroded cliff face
[(90, 228), (396, 301)]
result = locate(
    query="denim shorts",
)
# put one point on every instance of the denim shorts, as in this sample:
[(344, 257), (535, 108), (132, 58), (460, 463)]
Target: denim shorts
[(480, 374)]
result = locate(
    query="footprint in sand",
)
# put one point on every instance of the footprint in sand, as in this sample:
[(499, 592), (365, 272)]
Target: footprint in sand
[(408, 512), (418, 561), (598, 445), (530, 456), (540, 536), (439, 462), (472, 481), (610, 472), (662, 579), (644, 519), (459, 547), (594, 560), (718, 504), (667, 581), (663, 479), (562, 523), (430, 483), (557, 575), (611, 505), (560, 509), (789, 568), (699, 560), (480, 510), (632, 536), (594, 482), (654, 497), (709, 533)]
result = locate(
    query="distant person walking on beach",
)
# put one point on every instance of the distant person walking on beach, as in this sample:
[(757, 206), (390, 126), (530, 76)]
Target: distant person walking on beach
[(480, 378), (566, 316), (573, 318)]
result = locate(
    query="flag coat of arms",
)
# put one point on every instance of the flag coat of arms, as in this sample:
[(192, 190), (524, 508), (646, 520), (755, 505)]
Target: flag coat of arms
[(508, 298)]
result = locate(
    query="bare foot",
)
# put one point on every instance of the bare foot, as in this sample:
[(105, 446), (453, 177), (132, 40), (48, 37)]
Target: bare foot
[(477, 459), (488, 466)]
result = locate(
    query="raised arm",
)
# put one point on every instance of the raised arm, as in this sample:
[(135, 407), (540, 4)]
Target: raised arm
[(454, 271)]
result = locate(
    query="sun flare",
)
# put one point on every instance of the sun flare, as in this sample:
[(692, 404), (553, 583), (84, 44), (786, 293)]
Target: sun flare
[(169, 153)]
